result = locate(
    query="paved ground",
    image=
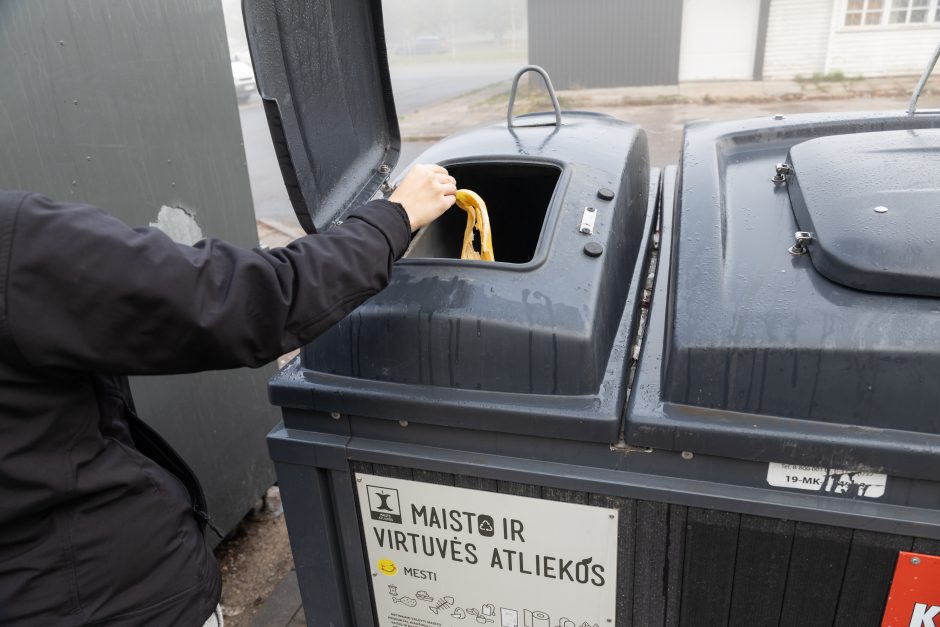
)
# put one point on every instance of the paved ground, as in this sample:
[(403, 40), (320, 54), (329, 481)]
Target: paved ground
[(283, 608), (662, 112), (418, 85)]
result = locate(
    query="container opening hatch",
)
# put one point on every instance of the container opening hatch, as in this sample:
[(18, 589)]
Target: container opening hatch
[(517, 197)]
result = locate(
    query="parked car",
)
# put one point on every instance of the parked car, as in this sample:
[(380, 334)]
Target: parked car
[(431, 44), (244, 78)]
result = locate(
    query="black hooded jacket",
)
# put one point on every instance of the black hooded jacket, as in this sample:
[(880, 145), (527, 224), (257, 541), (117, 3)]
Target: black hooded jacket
[(97, 519)]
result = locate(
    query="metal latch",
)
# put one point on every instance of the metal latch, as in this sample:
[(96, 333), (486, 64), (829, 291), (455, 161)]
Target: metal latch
[(783, 169), (587, 221), (803, 238)]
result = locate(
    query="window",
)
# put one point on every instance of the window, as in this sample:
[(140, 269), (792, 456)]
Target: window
[(867, 12), (909, 11), (891, 12)]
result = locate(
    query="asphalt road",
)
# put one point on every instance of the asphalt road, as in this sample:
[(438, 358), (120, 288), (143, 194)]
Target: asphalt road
[(414, 86), (418, 85)]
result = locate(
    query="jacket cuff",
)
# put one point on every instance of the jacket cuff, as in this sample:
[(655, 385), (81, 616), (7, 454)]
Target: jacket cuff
[(390, 218)]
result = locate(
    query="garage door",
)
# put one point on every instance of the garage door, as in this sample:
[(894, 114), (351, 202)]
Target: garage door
[(719, 38)]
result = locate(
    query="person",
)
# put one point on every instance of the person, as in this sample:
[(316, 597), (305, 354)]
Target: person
[(100, 521)]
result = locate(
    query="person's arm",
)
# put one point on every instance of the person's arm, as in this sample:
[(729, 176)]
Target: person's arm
[(86, 292)]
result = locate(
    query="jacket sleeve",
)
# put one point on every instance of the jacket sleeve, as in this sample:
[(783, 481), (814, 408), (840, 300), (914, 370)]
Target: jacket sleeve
[(86, 292)]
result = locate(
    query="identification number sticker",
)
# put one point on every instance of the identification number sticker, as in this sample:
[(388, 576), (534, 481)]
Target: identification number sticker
[(827, 480)]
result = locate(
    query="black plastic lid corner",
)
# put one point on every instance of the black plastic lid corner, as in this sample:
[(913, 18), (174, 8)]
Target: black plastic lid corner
[(322, 71), (872, 202)]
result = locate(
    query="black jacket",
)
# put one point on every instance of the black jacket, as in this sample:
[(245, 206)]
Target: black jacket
[(96, 514)]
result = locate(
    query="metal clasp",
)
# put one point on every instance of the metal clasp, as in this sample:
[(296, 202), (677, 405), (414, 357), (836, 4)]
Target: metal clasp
[(783, 169), (587, 221), (800, 246)]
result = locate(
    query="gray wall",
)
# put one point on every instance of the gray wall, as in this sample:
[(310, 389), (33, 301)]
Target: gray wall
[(606, 43), (130, 106)]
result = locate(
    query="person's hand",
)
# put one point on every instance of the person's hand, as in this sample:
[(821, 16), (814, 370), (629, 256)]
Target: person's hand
[(426, 192)]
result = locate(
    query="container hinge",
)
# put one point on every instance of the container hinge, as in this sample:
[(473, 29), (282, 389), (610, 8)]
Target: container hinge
[(386, 188), (801, 243), (783, 169), (620, 446)]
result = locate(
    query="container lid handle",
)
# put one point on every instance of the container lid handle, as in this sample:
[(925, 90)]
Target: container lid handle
[(912, 108), (551, 94)]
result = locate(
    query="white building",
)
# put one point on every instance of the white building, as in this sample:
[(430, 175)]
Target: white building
[(867, 37), (781, 39)]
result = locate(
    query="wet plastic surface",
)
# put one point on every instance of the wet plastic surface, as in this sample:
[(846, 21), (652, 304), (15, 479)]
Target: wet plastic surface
[(539, 346), (871, 202), (322, 71), (751, 352), (545, 326)]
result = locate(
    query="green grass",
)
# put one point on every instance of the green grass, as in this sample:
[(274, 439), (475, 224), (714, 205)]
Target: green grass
[(831, 77)]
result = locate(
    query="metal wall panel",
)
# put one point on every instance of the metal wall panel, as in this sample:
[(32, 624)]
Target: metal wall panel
[(606, 43), (130, 106)]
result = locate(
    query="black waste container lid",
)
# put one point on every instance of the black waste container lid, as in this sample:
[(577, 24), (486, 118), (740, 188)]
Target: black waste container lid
[(323, 75), (872, 203), (753, 352)]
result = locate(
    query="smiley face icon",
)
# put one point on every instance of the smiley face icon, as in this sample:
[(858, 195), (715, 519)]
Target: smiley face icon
[(387, 567)]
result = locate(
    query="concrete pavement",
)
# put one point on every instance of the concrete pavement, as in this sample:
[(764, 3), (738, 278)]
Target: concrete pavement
[(283, 608)]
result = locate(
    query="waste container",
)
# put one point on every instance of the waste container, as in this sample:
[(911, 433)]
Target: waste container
[(795, 390), (462, 449)]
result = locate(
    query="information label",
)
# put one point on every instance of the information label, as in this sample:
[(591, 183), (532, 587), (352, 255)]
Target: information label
[(827, 480), (441, 555)]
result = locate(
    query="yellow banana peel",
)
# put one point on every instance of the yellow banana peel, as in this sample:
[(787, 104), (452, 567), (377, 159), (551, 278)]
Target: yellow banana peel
[(477, 220)]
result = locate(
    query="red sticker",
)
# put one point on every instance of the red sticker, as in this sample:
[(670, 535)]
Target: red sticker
[(914, 599)]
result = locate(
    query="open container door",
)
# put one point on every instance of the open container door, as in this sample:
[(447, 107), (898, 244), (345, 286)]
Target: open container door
[(322, 72)]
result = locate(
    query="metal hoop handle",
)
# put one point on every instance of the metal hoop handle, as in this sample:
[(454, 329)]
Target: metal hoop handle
[(912, 108), (548, 85)]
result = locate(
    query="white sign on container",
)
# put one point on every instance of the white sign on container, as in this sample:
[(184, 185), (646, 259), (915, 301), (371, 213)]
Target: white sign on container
[(827, 480), (446, 556)]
